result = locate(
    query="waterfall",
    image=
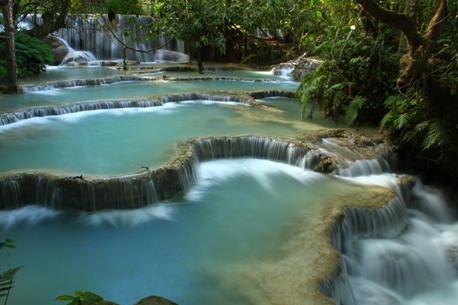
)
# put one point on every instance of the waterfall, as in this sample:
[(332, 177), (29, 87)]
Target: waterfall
[(251, 147), (90, 33), (24, 114), (157, 184), (146, 187), (365, 167), (76, 58), (390, 255)]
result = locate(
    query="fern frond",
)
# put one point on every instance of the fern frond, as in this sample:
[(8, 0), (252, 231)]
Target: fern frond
[(6, 280), (421, 126), (437, 135), (402, 120), (339, 98), (386, 121), (393, 99), (410, 135), (353, 108), (310, 88)]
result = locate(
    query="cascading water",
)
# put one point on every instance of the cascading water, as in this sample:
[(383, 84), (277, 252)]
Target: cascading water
[(91, 34), (244, 231), (76, 58), (397, 255)]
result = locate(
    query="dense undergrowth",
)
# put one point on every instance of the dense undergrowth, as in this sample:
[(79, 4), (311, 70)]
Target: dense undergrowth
[(32, 55), (363, 81)]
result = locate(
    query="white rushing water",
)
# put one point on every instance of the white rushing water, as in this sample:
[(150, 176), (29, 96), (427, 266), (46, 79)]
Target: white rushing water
[(235, 212), (239, 213), (416, 266)]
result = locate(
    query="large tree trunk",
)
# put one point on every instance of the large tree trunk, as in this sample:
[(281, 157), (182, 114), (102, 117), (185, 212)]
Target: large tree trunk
[(420, 47), (11, 67)]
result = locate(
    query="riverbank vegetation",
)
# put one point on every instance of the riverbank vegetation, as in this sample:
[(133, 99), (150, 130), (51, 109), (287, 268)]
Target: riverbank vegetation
[(391, 64)]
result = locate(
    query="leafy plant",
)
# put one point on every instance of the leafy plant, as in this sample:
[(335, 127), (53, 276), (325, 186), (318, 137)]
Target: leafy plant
[(80, 298), (32, 54), (7, 276), (357, 68)]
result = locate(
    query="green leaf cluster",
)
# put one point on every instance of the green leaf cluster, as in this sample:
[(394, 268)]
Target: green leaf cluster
[(408, 119), (32, 55), (201, 22), (8, 275), (80, 298), (357, 74)]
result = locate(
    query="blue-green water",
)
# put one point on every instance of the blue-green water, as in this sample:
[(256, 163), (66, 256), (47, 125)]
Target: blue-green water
[(120, 141), (236, 212), (199, 247), (130, 90)]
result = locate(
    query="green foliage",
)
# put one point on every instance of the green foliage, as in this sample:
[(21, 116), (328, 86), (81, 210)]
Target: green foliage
[(125, 7), (81, 298), (7, 276), (409, 119), (2, 69), (358, 72), (424, 117), (201, 23), (32, 54)]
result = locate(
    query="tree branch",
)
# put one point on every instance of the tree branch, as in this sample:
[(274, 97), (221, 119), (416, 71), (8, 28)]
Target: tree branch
[(399, 21), (436, 24)]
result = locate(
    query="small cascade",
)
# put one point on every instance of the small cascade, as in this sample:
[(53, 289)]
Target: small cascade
[(166, 56), (251, 147), (390, 255), (187, 170), (284, 70), (91, 33), (83, 82), (24, 114), (365, 168), (143, 188), (358, 223), (76, 58), (337, 287)]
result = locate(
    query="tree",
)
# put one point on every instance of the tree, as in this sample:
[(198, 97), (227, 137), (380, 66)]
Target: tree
[(53, 14), (199, 22), (398, 67), (423, 115), (421, 46), (10, 81)]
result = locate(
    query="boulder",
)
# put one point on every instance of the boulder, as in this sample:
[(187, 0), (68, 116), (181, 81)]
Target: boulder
[(58, 49), (155, 300), (298, 67)]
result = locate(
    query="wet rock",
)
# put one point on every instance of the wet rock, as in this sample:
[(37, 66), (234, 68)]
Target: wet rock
[(452, 256), (58, 49), (155, 300), (299, 67), (324, 166)]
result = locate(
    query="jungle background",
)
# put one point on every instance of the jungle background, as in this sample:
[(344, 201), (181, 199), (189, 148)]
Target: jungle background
[(389, 64)]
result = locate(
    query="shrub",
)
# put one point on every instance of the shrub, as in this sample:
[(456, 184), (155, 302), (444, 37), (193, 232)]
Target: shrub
[(32, 55)]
